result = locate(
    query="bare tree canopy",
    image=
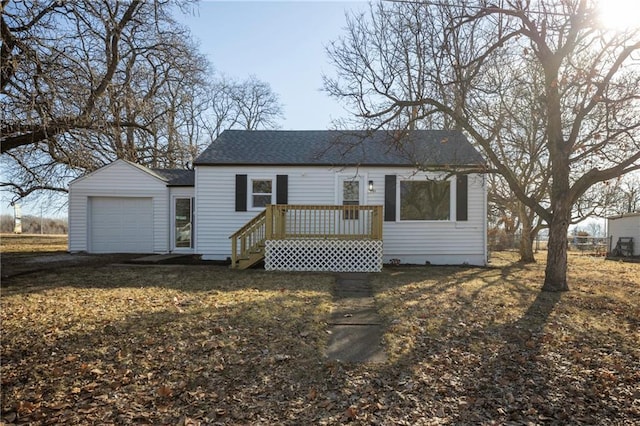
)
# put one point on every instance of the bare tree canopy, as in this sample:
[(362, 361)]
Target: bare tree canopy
[(473, 65), (86, 82), (249, 104), (46, 89), (616, 196)]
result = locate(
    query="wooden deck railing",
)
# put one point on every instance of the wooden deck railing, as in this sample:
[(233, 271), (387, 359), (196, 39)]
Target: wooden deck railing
[(288, 221)]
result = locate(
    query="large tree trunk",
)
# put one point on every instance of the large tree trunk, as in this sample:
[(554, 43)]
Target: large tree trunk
[(526, 240), (555, 277), (526, 247)]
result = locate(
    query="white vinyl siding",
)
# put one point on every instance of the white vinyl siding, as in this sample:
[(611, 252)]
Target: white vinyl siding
[(437, 242), (120, 180), (216, 218)]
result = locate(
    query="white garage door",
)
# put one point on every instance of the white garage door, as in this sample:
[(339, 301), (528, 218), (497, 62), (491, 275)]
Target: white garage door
[(121, 225)]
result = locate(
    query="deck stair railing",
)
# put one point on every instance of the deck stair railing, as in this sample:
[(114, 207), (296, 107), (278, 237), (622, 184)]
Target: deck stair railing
[(247, 243)]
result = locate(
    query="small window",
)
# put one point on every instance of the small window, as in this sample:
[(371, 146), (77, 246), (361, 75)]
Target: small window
[(261, 192), (425, 200), (351, 197)]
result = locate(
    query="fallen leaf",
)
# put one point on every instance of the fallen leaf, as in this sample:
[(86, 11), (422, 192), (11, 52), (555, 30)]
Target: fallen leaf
[(351, 413), (281, 357), (87, 410), (312, 394), (59, 405), (26, 407), (164, 391), (10, 417)]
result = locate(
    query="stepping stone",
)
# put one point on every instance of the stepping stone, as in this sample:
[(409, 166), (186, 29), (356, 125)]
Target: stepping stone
[(356, 343)]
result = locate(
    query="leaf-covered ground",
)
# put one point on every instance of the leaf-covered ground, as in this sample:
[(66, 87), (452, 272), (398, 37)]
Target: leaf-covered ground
[(187, 345)]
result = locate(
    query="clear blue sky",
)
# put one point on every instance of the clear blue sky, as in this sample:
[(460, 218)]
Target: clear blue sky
[(282, 43)]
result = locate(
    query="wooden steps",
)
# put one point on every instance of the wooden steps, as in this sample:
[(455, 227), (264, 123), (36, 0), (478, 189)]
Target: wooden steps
[(250, 260)]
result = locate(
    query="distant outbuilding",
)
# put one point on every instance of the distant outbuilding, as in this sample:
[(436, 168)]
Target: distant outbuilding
[(624, 232)]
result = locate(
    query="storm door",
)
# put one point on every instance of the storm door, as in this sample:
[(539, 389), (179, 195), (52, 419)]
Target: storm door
[(183, 227)]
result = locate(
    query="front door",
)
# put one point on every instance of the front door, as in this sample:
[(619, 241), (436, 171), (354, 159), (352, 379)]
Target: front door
[(351, 193), (183, 227)]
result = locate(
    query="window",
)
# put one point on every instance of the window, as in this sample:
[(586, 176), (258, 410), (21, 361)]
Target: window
[(261, 191), (351, 197), (425, 200)]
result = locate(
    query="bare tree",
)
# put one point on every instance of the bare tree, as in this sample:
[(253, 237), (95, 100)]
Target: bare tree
[(520, 140), (619, 196), (249, 104), (85, 83), (413, 62), (44, 92), (630, 195), (257, 105)]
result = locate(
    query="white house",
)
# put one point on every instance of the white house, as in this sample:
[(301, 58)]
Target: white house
[(624, 232), (413, 197)]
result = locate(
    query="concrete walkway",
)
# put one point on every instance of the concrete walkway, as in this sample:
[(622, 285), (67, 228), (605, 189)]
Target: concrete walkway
[(355, 326)]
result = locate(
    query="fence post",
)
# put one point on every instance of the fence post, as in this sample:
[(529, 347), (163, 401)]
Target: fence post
[(610, 238)]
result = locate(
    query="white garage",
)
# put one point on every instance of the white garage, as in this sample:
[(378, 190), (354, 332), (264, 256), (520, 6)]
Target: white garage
[(119, 208), (120, 225)]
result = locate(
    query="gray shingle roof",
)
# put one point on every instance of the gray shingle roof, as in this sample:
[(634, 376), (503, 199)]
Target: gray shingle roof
[(177, 177), (428, 148)]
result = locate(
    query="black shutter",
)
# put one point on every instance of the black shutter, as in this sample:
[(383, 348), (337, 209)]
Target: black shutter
[(462, 194), (390, 198), (241, 193), (282, 189)]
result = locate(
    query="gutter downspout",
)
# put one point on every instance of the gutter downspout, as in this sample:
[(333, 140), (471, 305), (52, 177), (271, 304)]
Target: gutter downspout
[(486, 219)]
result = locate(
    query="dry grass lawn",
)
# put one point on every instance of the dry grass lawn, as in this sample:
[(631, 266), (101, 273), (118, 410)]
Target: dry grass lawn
[(207, 345), (29, 244)]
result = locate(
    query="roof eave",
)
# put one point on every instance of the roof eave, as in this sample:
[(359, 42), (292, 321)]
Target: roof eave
[(479, 166)]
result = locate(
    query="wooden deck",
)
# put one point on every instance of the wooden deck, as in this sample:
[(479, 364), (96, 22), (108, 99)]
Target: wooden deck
[(303, 222)]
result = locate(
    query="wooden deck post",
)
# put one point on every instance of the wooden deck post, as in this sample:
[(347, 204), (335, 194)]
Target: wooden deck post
[(282, 221), (376, 223), (268, 218), (234, 251)]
